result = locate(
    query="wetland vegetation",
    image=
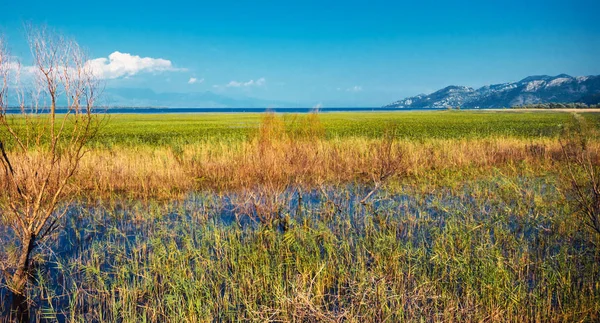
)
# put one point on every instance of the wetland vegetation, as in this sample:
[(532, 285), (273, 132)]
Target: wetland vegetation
[(430, 216)]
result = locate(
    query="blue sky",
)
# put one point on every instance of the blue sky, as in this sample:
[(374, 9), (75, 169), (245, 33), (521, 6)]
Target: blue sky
[(350, 53)]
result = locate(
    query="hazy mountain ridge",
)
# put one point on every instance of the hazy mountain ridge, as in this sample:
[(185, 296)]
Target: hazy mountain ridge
[(141, 97), (537, 89)]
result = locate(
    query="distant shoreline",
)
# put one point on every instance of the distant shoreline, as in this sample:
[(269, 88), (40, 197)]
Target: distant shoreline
[(151, 110)]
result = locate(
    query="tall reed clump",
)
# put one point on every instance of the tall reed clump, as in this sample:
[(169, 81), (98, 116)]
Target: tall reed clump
[(280, 158), (299, 157)]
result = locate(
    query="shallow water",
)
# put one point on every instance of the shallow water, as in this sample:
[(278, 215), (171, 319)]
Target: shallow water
[(420, 218)]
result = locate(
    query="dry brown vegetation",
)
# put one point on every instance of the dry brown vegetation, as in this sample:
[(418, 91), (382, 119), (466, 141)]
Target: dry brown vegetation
[(279, 159)]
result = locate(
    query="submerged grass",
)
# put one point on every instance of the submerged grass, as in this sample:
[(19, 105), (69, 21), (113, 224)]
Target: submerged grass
[(439, 216), (494, 250)]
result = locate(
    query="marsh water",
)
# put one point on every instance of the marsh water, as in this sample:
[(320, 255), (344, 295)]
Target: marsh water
[(101, 248)]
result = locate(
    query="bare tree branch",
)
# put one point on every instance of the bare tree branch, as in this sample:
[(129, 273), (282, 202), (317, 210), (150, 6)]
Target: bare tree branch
[(42, 152)]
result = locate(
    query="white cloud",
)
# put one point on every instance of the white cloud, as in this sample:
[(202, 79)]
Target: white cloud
[(356, 88), (260, 82), (18, 72), (194, 80), (117, 65), (124, 64), (14, 66), (234, 84)]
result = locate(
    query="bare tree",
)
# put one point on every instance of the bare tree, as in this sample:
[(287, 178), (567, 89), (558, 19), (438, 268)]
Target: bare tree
[(40, 152)]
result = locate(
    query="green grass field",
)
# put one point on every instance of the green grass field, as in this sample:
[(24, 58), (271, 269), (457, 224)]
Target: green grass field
[(161, 129)]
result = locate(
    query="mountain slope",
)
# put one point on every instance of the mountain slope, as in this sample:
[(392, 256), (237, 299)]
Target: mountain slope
[(530, 90)]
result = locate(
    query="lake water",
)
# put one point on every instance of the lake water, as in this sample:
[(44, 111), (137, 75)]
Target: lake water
[(150, 110)]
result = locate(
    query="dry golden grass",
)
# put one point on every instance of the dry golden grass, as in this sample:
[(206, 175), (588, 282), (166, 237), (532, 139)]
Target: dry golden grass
[(163, 173), (276, 158)]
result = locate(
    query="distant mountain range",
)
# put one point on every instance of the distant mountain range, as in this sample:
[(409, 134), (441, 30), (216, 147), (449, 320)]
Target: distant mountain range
[(142, 97), (531, 90)]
